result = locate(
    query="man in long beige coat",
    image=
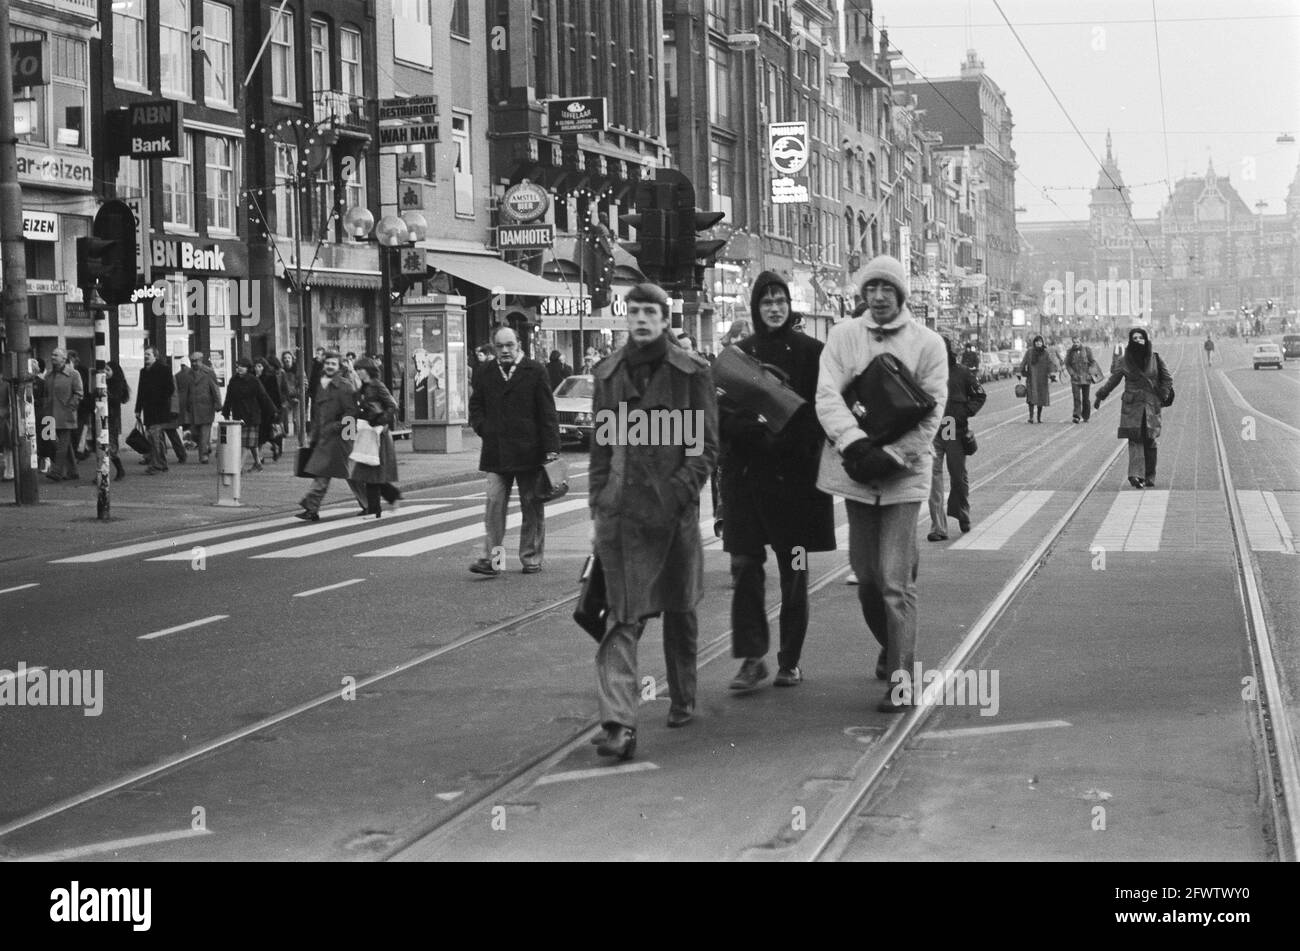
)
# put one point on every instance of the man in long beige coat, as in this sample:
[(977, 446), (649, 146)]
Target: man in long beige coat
[(645, 501)]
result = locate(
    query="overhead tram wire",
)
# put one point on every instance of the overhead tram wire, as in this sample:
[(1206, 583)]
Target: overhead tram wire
[(1128, 206), (1160, 81)]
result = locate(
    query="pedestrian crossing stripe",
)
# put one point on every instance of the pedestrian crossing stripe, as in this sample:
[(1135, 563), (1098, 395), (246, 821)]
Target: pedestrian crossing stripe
[(1266, 526), (419, 546), (1134, 522), (995, 531), (373, 534)]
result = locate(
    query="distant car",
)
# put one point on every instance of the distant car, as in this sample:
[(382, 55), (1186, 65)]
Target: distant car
[(573, 406), (1290, 346), (989, 367), (1008, 363), (1268, 354)]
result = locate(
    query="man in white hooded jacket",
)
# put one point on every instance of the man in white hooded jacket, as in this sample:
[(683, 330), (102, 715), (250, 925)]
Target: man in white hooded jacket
[(883, 486)]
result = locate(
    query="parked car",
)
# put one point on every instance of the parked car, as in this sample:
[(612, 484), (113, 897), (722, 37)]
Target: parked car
[(573, 407), (1267, 354), (1008, 362), (989, 367), (1290, 346)]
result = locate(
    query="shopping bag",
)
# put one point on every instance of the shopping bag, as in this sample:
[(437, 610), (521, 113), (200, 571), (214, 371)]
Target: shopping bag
[(592, 608), (1021, 391), (137, 440), (365, 450), (552, 481)]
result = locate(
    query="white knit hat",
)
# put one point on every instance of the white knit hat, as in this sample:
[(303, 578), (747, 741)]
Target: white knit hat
[(885, 268)]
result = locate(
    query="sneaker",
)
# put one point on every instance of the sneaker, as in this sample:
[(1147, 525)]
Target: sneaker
[(484, 566), (788, 677), (752, 672), (1076, 419), (618, 741), (852, 578)]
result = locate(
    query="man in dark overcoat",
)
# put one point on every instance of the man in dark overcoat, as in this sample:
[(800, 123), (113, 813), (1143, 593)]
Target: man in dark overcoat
[(153, 406), (645, 501), (512, 410), (770, 494), (333, 420)]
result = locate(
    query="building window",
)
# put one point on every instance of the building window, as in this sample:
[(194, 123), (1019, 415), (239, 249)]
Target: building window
[(464, 169), (460, 18), (351, 81), (218, 34), (70, 93), (413, 32), (178, 186), (286, 168), (284, 83), (719, 85), (320, 56), (222, 162), (174, 47), (220, 295), (130, 178), (722, 177), (129, 44)]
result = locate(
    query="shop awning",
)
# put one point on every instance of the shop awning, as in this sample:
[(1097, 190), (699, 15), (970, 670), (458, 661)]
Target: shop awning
[(336, 277), (487, 273)]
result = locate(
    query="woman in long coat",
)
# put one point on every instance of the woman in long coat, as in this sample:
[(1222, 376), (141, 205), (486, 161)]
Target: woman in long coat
[(1038, 368), (271, 383), (1147, 385), (246, 401), (378, 408), (289, 390)]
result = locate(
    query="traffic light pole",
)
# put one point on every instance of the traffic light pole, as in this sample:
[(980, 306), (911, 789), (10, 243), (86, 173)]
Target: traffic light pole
[(13, 299), (95, 304)]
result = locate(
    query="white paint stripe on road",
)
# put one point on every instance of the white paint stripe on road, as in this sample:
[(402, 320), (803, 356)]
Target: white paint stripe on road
[(1266, 526), (985, 730), (1134, 522), (13, 674), (301, 529), (996, 530), (444, 539), (329, 587), (142, 548), (374, 534), (113, 846), (183, 627), (22, 587), (1240, 400), (594, 773)]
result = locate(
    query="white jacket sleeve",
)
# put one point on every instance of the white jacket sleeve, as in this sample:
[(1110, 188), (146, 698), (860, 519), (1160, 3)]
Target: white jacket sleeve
[(833, 378)]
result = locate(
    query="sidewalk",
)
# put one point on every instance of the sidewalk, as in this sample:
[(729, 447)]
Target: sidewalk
[(184, 497)]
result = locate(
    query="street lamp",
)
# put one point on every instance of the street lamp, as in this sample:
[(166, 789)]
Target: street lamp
[(390, 233)]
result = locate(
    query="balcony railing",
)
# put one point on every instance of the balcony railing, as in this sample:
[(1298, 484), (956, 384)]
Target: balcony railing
[(348, 112)]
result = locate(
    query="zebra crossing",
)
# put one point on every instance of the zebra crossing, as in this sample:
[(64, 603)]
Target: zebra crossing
[(1147, 521)]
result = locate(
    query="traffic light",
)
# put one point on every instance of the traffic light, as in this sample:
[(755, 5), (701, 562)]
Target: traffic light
[(690, 254), (107, 258), (97, 261), (655, 225)]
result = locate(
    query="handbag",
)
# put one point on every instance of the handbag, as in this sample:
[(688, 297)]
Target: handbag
[(1021, 391), (592, 608), (300, 463), (1094, 373), (887, 400), (277, 430), (968, 444), (137, 440), (365, 450), (746, 383), (552, 481)]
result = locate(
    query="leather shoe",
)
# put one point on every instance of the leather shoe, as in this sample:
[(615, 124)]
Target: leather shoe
[(532, 569), (936, 537), (887, 704), (307, 516), (788, 677), (1149, 483), (484, 566), (618, 741), (751, 673), (679, 718), (1136, 482)]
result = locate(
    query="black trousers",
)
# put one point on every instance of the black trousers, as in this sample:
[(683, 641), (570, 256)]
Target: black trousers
[(750, 637)]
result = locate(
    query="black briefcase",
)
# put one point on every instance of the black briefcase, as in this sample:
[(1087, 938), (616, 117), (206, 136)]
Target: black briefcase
[(592, 608), (137, 440), (887, 400), (748, 384), (300, 463)]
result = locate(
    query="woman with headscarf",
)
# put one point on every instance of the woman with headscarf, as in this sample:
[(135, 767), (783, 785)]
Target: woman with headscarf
[(1148, 385), (378, 408), (1038, 368)]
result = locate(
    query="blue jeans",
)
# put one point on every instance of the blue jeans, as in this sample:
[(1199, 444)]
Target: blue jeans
[(532, 536), (884, 556)]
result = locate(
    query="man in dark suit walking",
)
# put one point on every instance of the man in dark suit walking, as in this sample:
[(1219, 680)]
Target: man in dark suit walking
[(513, 411)]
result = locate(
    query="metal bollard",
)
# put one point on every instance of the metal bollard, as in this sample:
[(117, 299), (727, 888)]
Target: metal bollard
[(230, 457)]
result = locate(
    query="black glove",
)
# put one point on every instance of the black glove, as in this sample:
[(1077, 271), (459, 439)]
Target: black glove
[(1096, 404), (867, 463)]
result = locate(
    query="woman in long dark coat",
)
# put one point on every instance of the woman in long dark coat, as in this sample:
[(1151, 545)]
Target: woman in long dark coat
[(378, 408), (246, 401), (1038, 368), (1147, 385), (271, 383)]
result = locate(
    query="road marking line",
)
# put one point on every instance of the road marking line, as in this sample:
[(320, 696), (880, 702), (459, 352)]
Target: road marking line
[(1235, 395), (328, 587), (113, 846), (445, 539), (373, 534), (1134, 522), (183, 627), (22, 587), (127, 551), (1265, 524), (996, 530), (302, 529), (984, 730), (449, 796), (13, 675), (594, 773)]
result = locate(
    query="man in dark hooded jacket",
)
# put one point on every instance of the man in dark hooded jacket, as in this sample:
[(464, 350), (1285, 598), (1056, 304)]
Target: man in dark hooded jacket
[(770, 495)]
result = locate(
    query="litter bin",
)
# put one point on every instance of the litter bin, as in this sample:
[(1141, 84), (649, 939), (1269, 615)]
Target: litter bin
[(230, 456)]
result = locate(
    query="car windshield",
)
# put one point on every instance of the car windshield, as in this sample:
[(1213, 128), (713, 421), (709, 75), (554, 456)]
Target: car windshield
[(577, 387)]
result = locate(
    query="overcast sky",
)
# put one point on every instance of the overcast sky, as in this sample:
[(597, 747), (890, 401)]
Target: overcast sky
[(1230, 71)]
